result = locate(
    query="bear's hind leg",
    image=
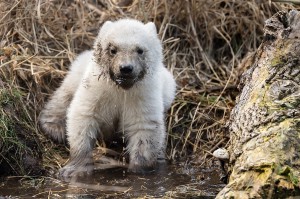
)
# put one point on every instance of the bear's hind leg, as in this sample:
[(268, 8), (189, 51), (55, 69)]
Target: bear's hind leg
[(52, 118)]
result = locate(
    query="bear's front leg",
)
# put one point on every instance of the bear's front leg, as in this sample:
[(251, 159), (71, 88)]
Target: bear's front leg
[(82, 130), (145, 146), (80, 164), (81, 146)]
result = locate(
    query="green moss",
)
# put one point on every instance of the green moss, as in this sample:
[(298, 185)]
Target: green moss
[(287, 172), (280, 53), (291, 102), (293, 178), (276, 61), (284, 170)]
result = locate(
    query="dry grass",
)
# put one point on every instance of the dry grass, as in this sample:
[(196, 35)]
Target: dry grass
[(204, 43)]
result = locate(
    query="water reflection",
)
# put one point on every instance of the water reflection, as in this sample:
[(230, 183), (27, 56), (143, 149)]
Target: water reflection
[(170, 180)]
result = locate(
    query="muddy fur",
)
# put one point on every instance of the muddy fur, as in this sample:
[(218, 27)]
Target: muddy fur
[(119, 86)]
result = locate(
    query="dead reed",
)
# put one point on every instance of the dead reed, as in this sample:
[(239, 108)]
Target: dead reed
[(204, 43)]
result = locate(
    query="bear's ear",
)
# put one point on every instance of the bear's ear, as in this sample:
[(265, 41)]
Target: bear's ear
[(105, 26), (151, 28)]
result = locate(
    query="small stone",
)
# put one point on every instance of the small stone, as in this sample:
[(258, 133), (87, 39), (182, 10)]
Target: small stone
[(221, 154)]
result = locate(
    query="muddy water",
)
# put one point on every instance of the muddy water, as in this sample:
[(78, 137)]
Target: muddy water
[(171, 181)]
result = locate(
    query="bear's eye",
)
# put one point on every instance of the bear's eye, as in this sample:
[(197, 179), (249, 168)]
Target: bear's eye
[(140, 51), (113, 51)]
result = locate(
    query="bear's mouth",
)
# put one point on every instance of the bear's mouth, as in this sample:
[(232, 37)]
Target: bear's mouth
[(124, 81)]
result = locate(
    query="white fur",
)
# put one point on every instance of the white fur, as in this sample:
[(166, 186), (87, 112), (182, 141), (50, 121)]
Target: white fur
[(100, 107)]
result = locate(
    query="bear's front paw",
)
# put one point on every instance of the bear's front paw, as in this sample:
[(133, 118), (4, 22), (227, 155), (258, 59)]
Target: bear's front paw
[(139, 164), (135, 168), (72, 171)]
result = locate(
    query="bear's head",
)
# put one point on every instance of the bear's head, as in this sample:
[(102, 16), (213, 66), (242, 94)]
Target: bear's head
[(128, 51)]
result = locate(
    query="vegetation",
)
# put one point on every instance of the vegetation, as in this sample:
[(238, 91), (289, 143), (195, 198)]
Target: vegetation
[(19, 146), (204, 44)]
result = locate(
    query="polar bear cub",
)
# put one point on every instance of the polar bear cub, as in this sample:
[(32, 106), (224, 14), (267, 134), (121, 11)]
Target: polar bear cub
[(119, 86)]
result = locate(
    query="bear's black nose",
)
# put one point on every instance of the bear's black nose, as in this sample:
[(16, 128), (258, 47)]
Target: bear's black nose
[(126, 69)]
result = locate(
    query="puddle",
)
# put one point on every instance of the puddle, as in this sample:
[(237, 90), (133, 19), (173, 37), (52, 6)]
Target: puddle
[(172, 181)]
